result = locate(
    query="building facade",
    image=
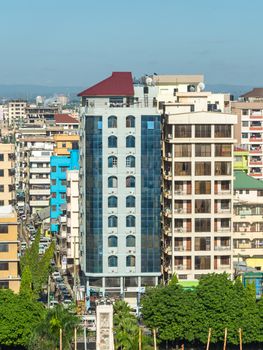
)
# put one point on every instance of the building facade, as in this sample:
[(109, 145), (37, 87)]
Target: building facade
[(197, 189), (9, 277), (7, 174), (248, 220), (120, 186)]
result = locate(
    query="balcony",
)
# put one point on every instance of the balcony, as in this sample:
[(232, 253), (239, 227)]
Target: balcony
[(39, 203), (39, 181), (222, 248), (42, 191), (167, 231), (167, 194), (255, 139), (168, 250), (223, 229), (167, 175), (39, 170), (256, 115)]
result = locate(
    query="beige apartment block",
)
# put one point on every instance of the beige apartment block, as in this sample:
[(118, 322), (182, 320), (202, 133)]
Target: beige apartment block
[(197, 190), (9, 277), (7, 174)]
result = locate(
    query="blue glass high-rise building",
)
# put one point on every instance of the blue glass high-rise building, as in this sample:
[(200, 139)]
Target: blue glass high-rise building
[(120, 181)]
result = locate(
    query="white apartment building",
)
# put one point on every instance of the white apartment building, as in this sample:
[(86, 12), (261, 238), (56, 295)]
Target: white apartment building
[(39, 177), (248, 220), (72, 217), (197, 187)]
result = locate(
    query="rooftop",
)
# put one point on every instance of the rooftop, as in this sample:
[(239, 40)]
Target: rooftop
[(256, 93), (177, 79), (65, 119), (243, 181), (118, 84)]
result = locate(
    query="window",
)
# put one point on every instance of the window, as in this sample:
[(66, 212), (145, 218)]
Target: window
[(112, 122), (99, 125), (53, 182), (1, 172), (4, 247), (130, 181), (202, 187), (63, 169), (183, 131), (112, 162), (202, 225), (225, 185), (245, 123), (53, 207), (130, 141), (130, 202), (112, 202), (202, 262), (130, 260), (225, 260), (223, 131), (202, 168), (112, 261), (64, 145), (112, 182), (202, 243), (260, 193), (202, 150), (182, 168), (53, 169), (2, 202), (1, 157), (150, 125), (130, 221), (203, 130), (112, 141), (130, 241), (53, 195), (64, 183), (183, 150), (112, 221), (62, 195), (225, 204), (130, 162), (113, 241), (223, 168), (130, 121), (3, 228), (3, 266), (244, 135), (4, 284), (203, 206), (225, 223), (2, 188), (223, 150)]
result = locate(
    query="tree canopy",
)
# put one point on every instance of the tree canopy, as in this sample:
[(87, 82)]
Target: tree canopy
[(217, 302)]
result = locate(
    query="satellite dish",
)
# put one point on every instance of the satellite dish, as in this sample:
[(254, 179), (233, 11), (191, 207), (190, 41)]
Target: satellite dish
[(148, 81), (201, 86)]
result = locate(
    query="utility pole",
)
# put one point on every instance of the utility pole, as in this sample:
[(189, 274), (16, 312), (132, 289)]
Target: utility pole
[(75, 338), (225, 338), (154, 339), (60, 339), (85, 335), (140, 338)]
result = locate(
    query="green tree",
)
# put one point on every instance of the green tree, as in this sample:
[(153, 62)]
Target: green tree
[(19, 317), (26, 283), (38, 266), (126, 329), (47, 332)]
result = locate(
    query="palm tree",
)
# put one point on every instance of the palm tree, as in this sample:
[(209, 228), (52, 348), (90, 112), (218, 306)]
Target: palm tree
[(46, 335)]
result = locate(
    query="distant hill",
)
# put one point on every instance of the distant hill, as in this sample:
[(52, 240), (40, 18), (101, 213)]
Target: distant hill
[(29, 92)]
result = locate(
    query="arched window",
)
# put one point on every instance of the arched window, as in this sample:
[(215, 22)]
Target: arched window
[(130, 241), (130, 181), (130, 121), (130, 202), (130, 162), (130, 141), (112, 141), (112, 202), (112, 261), (113, 241), (112, 122), (112, 182), (112, 221), (130, 221), (130, 260), (112, 162)]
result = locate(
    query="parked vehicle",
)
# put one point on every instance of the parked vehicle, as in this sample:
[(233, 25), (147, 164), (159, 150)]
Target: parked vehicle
[(53, 303)]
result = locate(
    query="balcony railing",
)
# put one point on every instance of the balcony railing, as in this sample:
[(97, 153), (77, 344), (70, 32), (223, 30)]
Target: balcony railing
[(220, 248)]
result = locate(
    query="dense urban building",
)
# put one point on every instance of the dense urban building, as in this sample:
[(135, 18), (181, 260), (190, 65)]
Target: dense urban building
[(248, 220), (120, 169), (7, 174), (197, 186), (9, 276)]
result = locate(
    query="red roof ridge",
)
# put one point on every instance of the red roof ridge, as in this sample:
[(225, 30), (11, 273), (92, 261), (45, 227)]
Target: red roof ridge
[(65, 119), (118, 84)]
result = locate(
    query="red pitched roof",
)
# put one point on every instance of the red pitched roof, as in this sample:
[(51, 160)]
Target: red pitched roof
[(118, 84), (65, 119)]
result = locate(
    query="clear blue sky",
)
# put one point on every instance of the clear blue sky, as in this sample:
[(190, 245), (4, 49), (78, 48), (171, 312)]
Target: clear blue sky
[(78, 42)]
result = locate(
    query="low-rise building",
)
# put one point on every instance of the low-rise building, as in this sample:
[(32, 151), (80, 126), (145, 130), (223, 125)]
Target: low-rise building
[(248, 220), (9, 277)]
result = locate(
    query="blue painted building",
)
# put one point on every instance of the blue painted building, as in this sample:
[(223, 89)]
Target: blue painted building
[(58, 187)]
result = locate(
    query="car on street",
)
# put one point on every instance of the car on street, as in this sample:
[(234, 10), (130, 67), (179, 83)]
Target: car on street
[(53, 303)]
